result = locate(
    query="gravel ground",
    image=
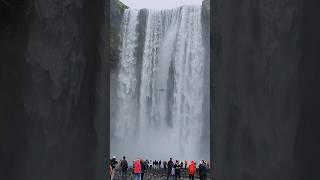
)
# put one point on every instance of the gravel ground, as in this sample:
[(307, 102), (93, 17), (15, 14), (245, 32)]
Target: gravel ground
[(153, 174)]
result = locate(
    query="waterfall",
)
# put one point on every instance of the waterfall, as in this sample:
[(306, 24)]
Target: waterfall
[(158, 96)]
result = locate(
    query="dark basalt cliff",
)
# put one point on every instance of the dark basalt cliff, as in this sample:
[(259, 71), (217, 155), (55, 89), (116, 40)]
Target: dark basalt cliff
[(266, 89), (54, 90), (116, 11)]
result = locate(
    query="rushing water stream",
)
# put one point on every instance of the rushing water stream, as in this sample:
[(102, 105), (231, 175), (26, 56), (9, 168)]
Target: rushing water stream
[(158, 91)]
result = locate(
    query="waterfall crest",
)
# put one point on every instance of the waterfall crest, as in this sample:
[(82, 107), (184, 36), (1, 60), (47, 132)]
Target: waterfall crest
[(158, 87)]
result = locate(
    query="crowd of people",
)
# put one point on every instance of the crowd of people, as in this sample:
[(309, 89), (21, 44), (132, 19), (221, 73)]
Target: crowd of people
[(173, 169)]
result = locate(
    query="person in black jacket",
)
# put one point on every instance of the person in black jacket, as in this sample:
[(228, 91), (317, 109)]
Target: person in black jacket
[(177, 170), (143, 168), (124, 168), (114, 162), (165, 165), (202, 171), (170, 166)]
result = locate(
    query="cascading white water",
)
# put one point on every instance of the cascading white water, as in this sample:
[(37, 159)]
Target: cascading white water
[(158, 87)]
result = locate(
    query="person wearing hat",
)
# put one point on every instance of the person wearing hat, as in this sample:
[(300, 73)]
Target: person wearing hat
[(114, 162)]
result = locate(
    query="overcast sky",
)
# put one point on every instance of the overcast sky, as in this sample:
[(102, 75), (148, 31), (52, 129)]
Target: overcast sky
[(158, 4)]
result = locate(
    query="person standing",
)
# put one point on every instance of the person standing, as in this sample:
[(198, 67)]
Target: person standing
[(165, 165), (137, 169), (192, 170), (172, 174), (124, 168), (114, 162), (185, 165), (170, 166), (143, 168), (177, 170), (202, 171), (110, 171)]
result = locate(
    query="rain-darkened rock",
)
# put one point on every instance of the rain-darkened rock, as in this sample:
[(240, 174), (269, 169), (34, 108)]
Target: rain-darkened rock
[(116, 11), (53, 87), (266, 89)]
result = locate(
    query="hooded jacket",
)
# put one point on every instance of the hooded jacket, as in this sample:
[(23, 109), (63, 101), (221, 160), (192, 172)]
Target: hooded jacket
[(202, 170), (192, 168), (137, 167)]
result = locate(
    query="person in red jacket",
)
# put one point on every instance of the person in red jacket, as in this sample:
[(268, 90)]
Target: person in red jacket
[(137, 169), (192, 170)]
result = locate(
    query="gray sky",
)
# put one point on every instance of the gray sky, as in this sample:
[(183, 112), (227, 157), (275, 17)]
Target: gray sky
[(158, 4)]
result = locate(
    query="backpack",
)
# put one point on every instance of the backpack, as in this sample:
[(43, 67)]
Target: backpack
[(170, 164), (124, 165)]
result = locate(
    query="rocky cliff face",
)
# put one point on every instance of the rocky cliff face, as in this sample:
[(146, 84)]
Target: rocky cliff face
[(53, 98), (266, 89), (206, 36), (116, 11)]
